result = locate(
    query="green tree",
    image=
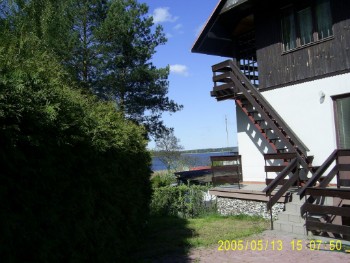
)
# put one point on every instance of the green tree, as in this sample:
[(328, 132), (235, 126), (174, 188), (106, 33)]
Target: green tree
[(168, 149), (84, 17), (106, 46), (125, 71)]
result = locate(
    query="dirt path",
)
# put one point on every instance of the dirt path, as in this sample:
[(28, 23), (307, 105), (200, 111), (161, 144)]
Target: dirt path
[(273, 247)]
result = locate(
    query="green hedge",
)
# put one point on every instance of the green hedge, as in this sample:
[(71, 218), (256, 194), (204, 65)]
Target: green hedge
[(74, 176), (184, 201)]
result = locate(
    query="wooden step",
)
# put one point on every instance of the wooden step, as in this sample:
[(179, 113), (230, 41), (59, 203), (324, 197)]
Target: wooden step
[(222, 66), (274, 140), (225, 77), (282, 150), (259, 121), (222, 87), (226, 97), (253, 112), (281, 156), (265, 130)]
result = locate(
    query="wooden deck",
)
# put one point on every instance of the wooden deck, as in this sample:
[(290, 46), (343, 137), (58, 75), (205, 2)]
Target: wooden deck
[(249, 191)]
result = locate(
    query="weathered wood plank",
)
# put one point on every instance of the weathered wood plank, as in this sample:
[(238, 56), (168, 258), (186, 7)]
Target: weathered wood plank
[(220, 66), (343, 152), (343, 167), (274, 168), (227, 179), (322, 210), (226, 158), (339, 229), (341, 193), (281, 182), (226, 169), (275, 156)]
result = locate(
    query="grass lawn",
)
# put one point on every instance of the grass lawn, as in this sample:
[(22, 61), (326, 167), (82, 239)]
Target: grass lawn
[(170, 235)]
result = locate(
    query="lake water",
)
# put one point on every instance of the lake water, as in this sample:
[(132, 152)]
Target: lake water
[(199, 159)]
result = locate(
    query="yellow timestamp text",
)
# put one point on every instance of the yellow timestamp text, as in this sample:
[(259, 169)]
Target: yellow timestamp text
[(332, 245), (279, 245), (254, 245)]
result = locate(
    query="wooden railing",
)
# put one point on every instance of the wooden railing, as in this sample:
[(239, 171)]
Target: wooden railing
[(318, 176), (328, 213), (292, 167), (338, 167), (317, 190), (226, 169)]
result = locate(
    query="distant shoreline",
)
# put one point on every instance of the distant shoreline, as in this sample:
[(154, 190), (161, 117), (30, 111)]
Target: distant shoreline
[(207, 150), (200, 158), (213, 150)]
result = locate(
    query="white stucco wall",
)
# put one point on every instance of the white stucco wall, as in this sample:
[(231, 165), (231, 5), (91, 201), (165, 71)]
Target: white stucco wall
[(312, 121)]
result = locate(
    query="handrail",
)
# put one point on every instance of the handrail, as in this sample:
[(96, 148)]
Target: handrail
[(319, 172), (302, 147), (272, 186), (273, 200), (250, 97)]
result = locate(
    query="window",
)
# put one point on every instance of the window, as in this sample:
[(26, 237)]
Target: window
[(305, 24), (343, 122)]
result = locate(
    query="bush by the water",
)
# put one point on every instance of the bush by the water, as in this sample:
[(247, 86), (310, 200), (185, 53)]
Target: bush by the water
[(186, 201), (74, 179), (162, 178)]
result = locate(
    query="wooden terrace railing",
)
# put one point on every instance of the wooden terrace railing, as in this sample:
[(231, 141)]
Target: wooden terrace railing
[(316, 205), (226, 169)]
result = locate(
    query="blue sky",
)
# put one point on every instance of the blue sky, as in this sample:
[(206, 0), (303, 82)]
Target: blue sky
[(201, 124)]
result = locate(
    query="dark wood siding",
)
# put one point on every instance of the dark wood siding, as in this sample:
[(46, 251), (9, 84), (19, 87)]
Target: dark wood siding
[(328, 57)]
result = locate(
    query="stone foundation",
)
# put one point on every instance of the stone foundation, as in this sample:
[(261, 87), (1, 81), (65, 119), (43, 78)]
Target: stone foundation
[(230, 206)]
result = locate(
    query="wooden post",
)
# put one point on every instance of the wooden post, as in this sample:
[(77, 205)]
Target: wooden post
[(271, 220)]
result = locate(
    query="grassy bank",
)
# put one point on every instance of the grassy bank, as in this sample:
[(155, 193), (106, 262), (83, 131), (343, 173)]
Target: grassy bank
[(171, 235)]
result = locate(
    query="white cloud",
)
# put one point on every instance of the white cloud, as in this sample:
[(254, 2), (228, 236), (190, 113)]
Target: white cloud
[(178, 27), (168, 35), (162, 14), (179, 69)]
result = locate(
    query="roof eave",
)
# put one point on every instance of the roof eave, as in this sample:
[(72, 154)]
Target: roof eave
[(206, 28), (207, 33)]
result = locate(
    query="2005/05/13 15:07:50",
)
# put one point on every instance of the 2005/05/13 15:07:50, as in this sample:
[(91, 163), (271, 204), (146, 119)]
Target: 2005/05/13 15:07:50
[(263, 245)]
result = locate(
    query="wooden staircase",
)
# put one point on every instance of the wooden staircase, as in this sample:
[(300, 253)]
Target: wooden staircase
[(231, 83), (320, 211)]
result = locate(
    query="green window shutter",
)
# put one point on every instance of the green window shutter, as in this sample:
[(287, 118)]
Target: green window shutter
[(305, 24), (289, 32), (343, 115), (324, 19)]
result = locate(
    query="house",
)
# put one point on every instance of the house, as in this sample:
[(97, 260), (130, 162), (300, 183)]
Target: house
[(286, 68)]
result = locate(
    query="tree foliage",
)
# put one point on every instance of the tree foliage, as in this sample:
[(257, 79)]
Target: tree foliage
[(107, 47), (67, 163), (168, 149)]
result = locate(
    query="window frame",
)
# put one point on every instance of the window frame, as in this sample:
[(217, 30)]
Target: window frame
[(293, 10), (335, 99)]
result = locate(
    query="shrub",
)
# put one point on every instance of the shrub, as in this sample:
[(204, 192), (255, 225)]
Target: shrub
[(74, 179), (184, 201), (162, 178)]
